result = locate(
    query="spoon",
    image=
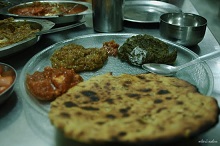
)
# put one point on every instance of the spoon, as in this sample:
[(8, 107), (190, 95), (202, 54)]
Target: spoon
[(60, 28), (168, 70)]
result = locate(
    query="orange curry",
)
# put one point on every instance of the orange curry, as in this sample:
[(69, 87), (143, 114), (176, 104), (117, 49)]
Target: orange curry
[(6, 79), (52, 82)]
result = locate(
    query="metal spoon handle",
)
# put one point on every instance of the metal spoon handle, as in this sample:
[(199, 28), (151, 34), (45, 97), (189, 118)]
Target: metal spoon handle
[(60, 28), (208, 56)]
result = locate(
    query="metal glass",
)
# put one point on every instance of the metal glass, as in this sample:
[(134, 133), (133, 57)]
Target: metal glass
[(107, 15)]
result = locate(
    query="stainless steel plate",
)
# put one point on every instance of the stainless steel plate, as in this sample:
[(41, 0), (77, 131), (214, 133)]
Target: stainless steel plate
[(42, 25), (58, 19), (200, 75), (147, 11)]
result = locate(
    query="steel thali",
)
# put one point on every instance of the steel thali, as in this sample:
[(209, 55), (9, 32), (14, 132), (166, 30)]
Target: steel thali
[(199, 75), (147, 11)]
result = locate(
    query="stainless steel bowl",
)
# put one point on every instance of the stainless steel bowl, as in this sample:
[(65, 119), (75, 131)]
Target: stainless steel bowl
[(183, 28), (7, 92), (58, 18)]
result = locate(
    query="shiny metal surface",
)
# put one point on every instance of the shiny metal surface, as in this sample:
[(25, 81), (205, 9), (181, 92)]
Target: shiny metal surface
[(107, 15), (210, 9), (18, 123), (57, 19), (147, 11), (6, 94), (183, 28)]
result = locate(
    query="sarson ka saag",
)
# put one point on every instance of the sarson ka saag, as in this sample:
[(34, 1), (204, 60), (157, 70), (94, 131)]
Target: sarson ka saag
[(141, 49)]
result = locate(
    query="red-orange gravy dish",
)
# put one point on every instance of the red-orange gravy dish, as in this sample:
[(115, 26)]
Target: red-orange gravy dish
[(56, 80), (111, 47), (51, 82), (48, 9), (6, 79)]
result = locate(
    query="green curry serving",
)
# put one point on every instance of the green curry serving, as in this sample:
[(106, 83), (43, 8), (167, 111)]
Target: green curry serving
[(141, 49)]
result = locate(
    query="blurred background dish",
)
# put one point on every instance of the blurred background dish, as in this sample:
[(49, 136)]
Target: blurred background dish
[(8, 77), (4, 4), (183, 28), (59, 12), (35, 24), (147, 11)]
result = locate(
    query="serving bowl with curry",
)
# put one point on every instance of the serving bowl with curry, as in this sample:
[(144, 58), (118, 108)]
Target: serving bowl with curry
[(59, 12), (8, 77)]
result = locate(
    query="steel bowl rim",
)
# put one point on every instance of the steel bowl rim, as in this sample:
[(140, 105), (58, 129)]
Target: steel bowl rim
[(15, 72), (185, 14)]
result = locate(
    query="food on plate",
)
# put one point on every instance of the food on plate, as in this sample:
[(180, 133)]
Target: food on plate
[(12, 32), (142, 49), (6, 79), (47, 9), (111, 47), (133, 108), (77, 57), (51, 82)]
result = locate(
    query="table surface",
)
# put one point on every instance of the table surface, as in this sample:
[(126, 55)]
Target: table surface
[(15, 127)]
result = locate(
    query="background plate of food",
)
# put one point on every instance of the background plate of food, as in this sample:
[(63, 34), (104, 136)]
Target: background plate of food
[(59, 12), (19, 34)]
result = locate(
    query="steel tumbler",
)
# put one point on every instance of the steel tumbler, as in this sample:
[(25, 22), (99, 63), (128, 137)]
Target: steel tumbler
[(107, 15)]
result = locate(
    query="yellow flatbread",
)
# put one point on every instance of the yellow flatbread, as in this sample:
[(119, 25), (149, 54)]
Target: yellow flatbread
[(140, 108)]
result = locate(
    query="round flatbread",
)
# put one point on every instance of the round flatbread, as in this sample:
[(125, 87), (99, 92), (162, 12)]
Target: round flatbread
[(140, 108)]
